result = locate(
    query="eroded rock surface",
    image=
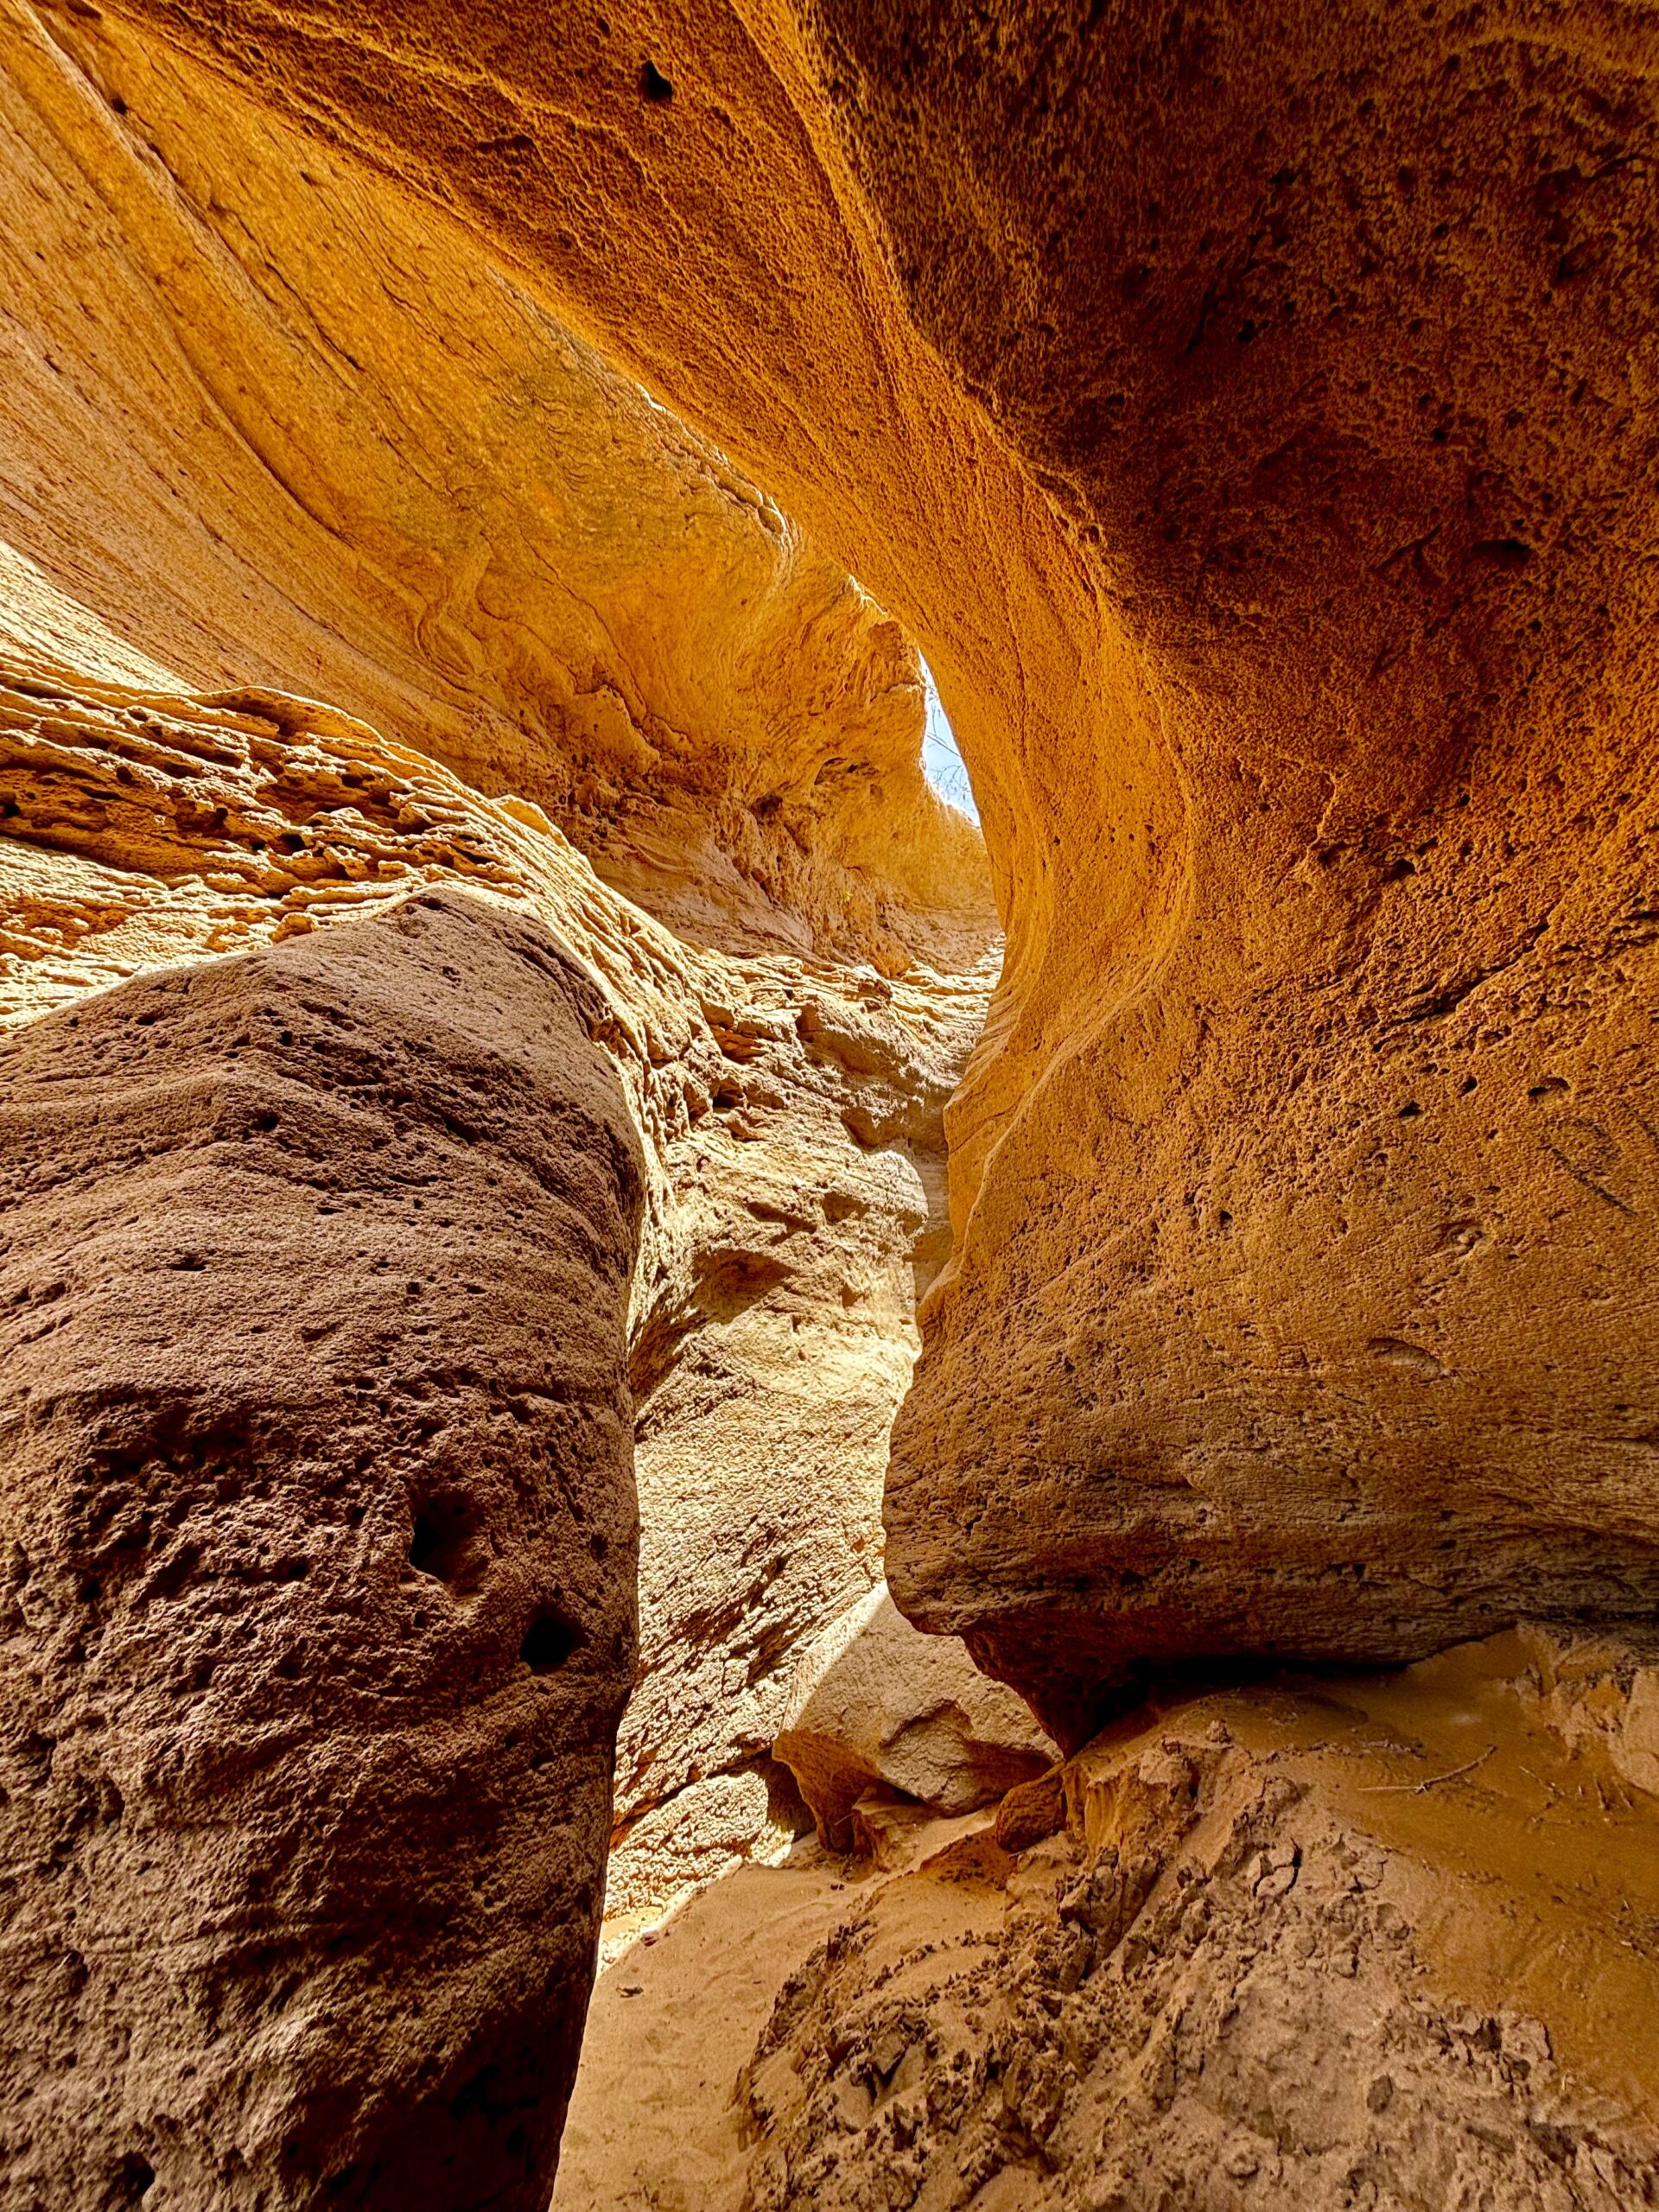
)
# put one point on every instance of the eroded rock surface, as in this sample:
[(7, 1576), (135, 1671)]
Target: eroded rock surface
[(280, 425), (790, 1114), (319, 1532), (876, 1706), (1250, 420), (270, 426), (1305, 1945), (805, 1207)]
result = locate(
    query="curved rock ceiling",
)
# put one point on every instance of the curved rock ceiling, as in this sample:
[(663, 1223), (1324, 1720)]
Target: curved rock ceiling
[(1251, 421), (483, 964)]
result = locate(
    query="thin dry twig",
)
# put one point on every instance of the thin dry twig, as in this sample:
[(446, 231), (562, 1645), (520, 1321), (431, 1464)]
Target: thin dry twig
[(1416, 1789)]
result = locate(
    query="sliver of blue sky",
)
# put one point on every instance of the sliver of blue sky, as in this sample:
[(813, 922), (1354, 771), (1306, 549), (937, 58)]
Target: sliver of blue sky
[(941, 762)]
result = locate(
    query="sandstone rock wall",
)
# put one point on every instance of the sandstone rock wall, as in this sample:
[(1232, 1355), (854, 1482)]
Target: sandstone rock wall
[(319, 1599), (806, 1208), (277, 424), (1250, 419), (270, 427), (791, 1114)]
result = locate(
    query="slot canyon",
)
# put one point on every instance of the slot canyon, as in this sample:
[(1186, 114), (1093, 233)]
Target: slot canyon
[(828, 939)]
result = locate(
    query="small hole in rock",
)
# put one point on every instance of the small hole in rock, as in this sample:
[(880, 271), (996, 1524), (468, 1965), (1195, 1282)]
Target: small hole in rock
[(548, 1644), (445, 1542), (654, 85), (1504, 552), (136, 2175)]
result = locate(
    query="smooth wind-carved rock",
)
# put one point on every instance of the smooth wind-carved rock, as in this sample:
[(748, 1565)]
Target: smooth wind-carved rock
[(1249, 417), (280, 424), (1249, 414)]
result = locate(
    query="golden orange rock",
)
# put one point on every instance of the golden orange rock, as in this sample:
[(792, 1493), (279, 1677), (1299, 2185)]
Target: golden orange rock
[(1248, 418)]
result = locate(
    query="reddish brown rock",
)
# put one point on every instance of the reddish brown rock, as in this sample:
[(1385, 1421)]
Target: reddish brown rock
[(1250, 419), (319, 1601)]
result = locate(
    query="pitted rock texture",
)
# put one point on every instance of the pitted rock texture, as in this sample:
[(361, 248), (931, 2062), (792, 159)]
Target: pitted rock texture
[(1304, 1306), (319, 1533), (1336, 1942), (268, 427), (790, 1114), (877, 1708), (283, 426), (807, 1209), (1250, 420)]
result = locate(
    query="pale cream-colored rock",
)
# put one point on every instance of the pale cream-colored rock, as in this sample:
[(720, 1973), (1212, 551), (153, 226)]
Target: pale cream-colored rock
[(809, 1208), (1638, 1754), (876, 1705), (1603, 1690)]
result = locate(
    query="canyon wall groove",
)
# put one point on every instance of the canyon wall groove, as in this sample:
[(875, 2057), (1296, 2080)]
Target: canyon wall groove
[(1251, 423)]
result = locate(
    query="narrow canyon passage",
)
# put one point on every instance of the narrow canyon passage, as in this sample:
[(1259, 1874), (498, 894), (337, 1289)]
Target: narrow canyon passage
[(827, 1111)]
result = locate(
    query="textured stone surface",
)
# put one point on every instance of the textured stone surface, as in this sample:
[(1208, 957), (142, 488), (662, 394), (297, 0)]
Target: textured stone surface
[(279, 425), (268, 427), (1250, 420), (1301, 1945), (790, 1115), (877, 1706), (807, 1209), (1603, 1690), (319, 1532), (1307, 1306)]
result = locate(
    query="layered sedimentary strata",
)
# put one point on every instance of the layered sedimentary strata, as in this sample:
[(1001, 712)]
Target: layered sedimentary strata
[(320, 1535), (278, 424), (792, 1164), (790, 1111), (1250, 420), (1308, 1944)]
